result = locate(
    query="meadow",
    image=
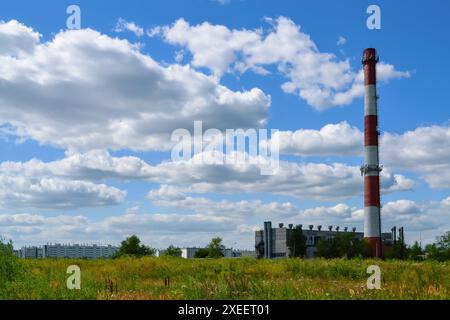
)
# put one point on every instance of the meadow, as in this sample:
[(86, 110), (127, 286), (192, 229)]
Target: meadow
[(176, 278)]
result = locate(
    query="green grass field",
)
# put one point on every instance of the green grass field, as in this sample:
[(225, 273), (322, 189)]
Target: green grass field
[(144, 278)]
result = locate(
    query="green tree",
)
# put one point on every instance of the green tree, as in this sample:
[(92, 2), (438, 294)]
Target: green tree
[(444, 241), (201, 253), (343, 245), (215, 248), (327, 248), (10, 265), (415, 252), (399, 251), (132, 247), (296, 243), (441, 249), (172, 251), (361, 249)]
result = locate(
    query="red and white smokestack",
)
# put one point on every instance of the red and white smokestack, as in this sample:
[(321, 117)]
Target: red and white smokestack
[(371, 170)]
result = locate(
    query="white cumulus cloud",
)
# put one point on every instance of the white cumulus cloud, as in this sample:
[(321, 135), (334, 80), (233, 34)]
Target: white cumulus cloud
[(339, 139), (83, 90), (320, 78), (53, 193), (302, 180), (16, 39), (425, 150)]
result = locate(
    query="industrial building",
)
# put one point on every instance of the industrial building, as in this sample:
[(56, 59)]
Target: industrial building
[(74, 251), (272, 242)]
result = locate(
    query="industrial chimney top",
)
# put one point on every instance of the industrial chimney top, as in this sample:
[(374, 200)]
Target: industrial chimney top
[(370, 55)]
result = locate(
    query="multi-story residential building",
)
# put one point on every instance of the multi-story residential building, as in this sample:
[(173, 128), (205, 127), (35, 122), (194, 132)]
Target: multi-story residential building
[(75, 251), (30, 253)]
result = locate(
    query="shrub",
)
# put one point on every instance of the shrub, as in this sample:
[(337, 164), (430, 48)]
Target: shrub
[(10, 265), (172, 251), (415, 252), (202, 253)]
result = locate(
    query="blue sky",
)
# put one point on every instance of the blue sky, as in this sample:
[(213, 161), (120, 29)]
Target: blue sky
[(81, 201)]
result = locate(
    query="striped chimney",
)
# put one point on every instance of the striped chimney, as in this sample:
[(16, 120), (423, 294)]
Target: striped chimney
[(371, 169)]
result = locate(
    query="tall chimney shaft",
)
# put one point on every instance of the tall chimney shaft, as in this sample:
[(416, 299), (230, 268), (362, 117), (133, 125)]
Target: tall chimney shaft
[(371, 169)]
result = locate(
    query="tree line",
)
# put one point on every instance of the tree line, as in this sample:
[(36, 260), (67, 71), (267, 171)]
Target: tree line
[(132, 247)]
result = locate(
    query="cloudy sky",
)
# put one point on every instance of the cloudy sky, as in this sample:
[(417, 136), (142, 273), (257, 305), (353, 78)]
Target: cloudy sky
[(86, 118)]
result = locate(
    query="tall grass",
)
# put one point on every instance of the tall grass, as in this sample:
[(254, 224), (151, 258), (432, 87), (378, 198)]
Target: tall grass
[(176, 278)]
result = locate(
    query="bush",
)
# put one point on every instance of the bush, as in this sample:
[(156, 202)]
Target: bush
[(172, 251), (397, 251), (201, 253), (10, 265), (415, 252), (214, 249)]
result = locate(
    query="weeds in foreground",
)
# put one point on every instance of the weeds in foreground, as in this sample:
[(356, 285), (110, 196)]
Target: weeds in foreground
[(176, 278)]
